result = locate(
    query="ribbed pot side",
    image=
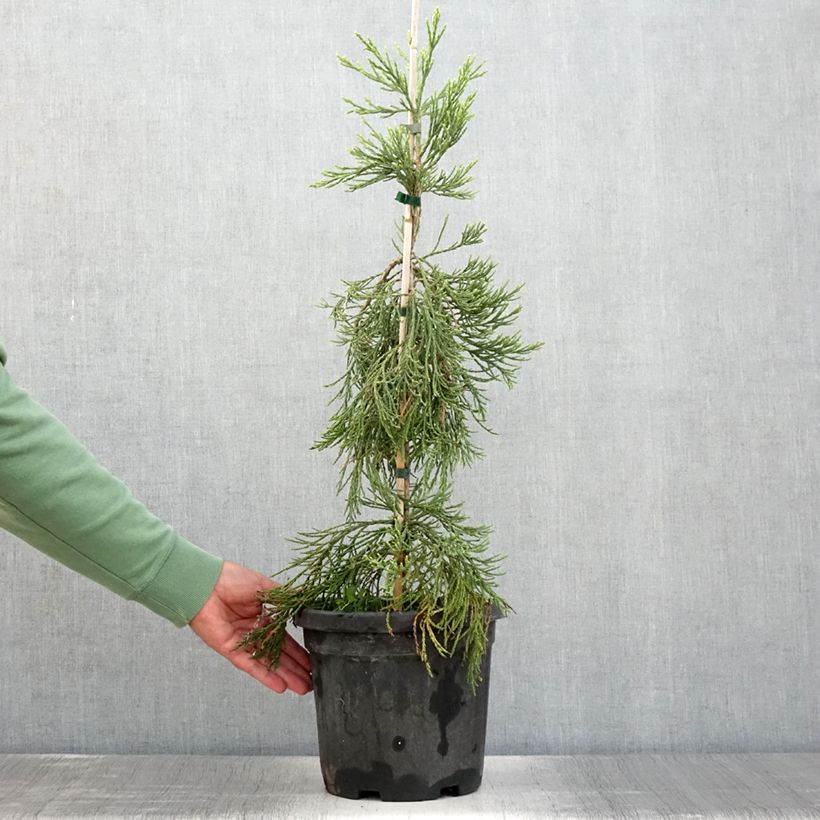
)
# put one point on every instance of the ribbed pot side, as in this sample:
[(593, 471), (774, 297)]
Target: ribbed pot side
[(386, 728)]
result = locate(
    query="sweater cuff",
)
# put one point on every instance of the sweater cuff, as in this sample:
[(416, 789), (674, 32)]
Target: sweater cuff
[(183, 584)]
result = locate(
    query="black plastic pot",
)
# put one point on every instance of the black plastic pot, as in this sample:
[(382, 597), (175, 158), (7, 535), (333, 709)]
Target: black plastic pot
[(386, 728)]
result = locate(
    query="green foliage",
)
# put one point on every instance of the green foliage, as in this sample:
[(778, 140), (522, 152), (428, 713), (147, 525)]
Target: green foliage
[(447, 579), (454, 345), (420, 398), (386, 156)]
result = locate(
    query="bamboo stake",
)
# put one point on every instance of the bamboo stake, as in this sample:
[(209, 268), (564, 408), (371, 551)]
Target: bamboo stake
[(410, 224)]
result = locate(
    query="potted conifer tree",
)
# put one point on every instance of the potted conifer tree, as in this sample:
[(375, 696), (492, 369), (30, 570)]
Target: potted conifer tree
[(398, 602)]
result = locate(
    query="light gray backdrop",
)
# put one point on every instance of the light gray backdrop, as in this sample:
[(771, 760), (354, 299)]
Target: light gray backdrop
[(648, 168)]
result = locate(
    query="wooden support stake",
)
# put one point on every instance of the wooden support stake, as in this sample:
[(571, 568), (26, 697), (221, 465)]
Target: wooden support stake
[(403, 484)]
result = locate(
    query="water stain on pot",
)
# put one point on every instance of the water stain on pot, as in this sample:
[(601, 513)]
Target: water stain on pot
[(445, 704)]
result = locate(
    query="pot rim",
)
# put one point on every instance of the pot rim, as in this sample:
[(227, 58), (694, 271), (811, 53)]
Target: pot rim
[(323, 620)]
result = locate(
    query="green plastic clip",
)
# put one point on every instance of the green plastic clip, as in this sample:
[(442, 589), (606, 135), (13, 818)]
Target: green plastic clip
[(408, 199), (412, 127), (402, 311), (402, 472)]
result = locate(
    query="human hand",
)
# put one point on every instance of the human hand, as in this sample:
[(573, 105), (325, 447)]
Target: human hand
[(232, 610)]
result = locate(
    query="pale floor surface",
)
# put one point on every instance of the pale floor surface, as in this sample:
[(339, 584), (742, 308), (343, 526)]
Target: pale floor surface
[(691, 786)]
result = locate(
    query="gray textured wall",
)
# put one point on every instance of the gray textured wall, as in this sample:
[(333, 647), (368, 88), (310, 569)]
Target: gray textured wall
[(648, 168)]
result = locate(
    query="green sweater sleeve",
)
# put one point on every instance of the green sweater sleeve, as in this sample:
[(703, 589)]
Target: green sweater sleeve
[(58, 498)]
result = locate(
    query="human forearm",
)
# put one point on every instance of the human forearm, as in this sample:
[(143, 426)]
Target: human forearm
[(58, 498)]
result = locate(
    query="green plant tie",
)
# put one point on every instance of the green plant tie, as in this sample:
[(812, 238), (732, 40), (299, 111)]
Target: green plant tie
[(402, 311), (402, 472), (408, 199)]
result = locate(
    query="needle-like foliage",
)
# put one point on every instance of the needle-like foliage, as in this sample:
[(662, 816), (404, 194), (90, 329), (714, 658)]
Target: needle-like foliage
[(418, 397)]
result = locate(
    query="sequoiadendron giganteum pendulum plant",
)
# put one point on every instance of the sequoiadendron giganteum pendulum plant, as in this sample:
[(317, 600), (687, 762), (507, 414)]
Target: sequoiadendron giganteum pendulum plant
[(422, 342)]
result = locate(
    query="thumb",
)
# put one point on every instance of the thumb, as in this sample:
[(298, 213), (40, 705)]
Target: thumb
[(266, 582), (241, 576)]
